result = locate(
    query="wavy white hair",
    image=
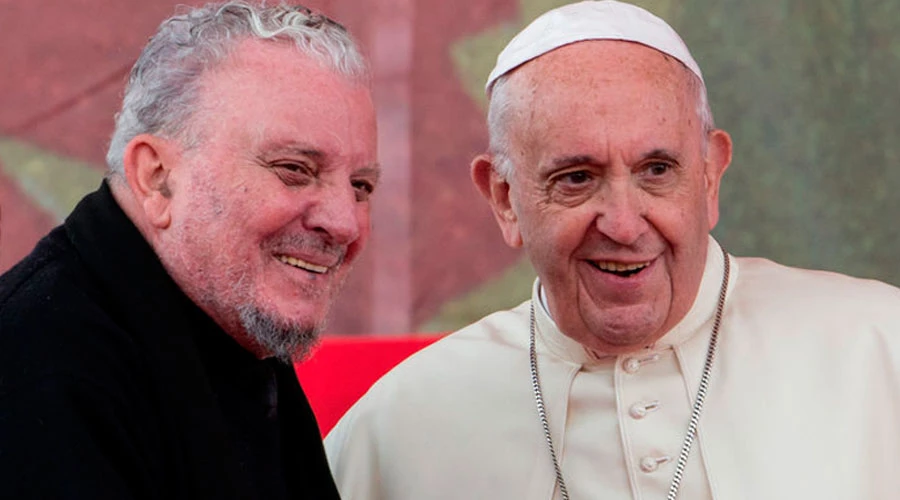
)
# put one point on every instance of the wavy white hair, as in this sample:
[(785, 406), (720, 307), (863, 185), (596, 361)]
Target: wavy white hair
[(161, 93)]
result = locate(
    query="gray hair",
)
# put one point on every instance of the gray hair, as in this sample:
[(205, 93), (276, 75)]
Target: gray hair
[(289, 342), (502, 103), (161, 93)]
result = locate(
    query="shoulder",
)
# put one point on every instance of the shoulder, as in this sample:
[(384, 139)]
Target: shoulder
[(445, 373), (795, 302), (54, 322), (430, 409), (763, 278), (26, 275), (462, 354), (73, 395)]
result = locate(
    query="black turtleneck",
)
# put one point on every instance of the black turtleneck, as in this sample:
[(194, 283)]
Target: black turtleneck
[(113, 384)]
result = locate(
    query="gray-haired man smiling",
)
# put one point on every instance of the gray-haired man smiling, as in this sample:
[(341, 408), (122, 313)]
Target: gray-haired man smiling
[(146, 344)]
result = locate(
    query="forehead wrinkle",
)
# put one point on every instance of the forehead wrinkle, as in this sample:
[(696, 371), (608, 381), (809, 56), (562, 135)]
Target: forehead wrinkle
[(585, 67), (595, 63)]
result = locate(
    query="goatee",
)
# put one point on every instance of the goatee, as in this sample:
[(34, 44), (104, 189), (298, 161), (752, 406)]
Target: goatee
[(289, 342)]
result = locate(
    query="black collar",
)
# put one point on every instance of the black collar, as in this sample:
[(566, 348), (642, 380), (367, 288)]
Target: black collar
[(167, 326), (175, 333)]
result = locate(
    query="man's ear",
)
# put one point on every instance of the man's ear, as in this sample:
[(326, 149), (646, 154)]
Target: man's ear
[(147, 162), (718, 157), (495, 189)]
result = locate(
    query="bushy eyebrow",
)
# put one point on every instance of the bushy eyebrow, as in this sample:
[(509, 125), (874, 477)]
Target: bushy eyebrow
[(663, 154), (294, 150), (575, 160), (373, 172)]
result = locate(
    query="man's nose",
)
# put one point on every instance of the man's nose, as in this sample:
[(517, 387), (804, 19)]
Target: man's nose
[(621, 213), (335, 212)]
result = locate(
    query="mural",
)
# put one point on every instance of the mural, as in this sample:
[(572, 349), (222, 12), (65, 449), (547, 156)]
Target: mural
[(807, 88)]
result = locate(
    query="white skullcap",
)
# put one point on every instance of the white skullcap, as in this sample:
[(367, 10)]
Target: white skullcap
[(591, 20)]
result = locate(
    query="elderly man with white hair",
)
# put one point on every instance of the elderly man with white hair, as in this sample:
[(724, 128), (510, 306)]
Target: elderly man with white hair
[(649, 362)]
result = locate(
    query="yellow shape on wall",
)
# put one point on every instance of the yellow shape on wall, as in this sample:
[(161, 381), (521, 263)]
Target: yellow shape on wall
[(53, 182)]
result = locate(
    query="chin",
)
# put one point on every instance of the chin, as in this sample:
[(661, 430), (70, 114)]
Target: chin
[(626, 336), (288, 339)]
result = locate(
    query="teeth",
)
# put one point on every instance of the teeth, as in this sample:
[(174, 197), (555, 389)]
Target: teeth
[(619, 268), (302, 264)]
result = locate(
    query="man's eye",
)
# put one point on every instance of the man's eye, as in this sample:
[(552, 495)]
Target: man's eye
[(293, 173), (658, 169), (293, 167), (575, 178), (572, 187), (363, 190)]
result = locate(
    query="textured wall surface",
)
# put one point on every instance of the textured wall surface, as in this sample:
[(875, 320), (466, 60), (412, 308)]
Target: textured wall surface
[(807, 88)]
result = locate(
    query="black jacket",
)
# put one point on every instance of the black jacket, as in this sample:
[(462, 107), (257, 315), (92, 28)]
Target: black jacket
[(113, 384)]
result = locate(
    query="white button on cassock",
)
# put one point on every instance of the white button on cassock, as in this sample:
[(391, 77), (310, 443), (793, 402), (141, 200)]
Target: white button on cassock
[(640, 410), (632, 365), (650, 464)]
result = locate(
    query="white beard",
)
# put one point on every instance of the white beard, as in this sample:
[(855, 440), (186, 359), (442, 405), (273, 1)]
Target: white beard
[(277, 338)]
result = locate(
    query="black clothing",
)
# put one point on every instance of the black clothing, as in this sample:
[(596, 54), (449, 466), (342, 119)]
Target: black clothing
[(114, 384)]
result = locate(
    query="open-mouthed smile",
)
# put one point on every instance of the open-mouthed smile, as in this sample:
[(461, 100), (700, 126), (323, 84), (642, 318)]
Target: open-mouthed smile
[(302, 264), (620, 268)]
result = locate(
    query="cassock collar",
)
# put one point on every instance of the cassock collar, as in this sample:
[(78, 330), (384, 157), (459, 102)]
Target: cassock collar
[(701, 312)]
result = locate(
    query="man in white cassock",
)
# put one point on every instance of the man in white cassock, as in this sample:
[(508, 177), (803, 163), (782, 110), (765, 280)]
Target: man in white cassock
[(649, 363)]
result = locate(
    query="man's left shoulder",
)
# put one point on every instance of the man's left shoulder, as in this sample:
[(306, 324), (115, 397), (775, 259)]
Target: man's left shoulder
[(765, 273), (762, 281)]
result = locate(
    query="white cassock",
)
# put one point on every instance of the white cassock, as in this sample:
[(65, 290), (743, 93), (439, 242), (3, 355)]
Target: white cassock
[(803, 403)]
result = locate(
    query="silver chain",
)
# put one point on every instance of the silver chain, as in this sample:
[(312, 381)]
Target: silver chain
[(695, 413), (539, 401)]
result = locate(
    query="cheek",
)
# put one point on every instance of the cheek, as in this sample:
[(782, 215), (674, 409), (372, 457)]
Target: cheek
[(254, 213), (557, 235), (683, 216)]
